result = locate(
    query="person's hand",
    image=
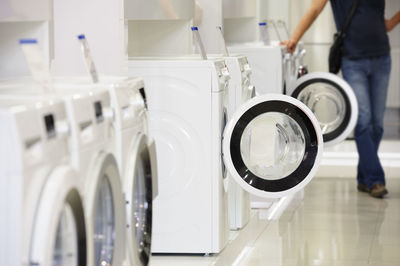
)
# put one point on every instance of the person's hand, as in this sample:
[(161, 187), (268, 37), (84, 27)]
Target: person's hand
[(392, 23), (290, 45), (389, 24)]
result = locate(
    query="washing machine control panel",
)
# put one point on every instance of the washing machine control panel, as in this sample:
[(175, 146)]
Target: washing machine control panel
[(93, 117), (36, 120), (223, 74), (248, 90)]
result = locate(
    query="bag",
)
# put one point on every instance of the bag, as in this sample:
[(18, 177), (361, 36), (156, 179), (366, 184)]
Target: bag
[(336, 50), (336, 53)]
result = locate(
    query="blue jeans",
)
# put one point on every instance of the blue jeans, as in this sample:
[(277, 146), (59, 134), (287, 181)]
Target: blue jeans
[(369, 78)]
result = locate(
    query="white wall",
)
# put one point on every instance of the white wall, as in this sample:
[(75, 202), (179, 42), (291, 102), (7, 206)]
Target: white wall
[(392, 6)]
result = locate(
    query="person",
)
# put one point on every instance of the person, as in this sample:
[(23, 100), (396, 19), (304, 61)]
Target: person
[(366, 66)]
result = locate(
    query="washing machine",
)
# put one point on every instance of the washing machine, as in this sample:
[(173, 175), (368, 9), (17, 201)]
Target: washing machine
[(43, 221), (240, 91), (92, 130), (136, 159), (187, 119)]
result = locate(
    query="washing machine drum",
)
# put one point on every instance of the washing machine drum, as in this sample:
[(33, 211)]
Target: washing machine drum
[(332, 101), (59, 232), (272, 146)]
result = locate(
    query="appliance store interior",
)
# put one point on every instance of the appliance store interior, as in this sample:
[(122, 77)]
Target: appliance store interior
[(199, 132)]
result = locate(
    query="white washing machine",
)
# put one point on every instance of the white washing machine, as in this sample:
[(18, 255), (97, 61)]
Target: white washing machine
[(186, 119), (93, 139), (266, 63), (43, 221), (240, 91), (282, 147), (136, 158), (333, 102)]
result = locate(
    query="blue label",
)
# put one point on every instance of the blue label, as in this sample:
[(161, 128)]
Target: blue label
[(81, 36), (195, 28), (262, 23), (28, 41)]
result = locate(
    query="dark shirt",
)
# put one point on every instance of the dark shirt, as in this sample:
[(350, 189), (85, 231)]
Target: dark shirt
[(366, 35)]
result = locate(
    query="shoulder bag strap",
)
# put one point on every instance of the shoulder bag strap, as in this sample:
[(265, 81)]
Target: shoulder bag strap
[(349, 17)]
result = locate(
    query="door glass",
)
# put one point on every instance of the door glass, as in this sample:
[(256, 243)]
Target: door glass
[(66, 245), (142, 213), (272, 145), (327, 103), (104, 233)]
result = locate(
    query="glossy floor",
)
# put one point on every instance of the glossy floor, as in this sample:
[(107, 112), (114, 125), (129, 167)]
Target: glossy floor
[(329, 224)]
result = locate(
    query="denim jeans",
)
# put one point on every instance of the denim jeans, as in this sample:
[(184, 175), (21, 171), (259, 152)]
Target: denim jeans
[(369, 78)]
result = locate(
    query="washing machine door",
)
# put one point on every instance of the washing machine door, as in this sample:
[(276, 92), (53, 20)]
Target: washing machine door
[(139, 195), (59, 231), (332, 101), (106, 218), (272, 146)]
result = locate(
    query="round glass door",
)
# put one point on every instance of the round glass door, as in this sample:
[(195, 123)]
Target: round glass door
[(142, 208), (104, 201), (332, 101), (104, 232), (59, 230), (272, 146), (139, 195), (66, 246)]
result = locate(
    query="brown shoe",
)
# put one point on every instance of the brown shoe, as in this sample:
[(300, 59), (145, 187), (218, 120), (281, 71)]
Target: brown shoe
[(362, 188), (378, 191)]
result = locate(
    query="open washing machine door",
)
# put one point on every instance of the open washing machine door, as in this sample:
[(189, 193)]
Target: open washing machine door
[(272, 146), (59, 231), (106, 218), (332, 101), (139, 201)]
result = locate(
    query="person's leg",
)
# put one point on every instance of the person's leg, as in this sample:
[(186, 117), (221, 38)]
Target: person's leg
[(356, 73), (379, 82)]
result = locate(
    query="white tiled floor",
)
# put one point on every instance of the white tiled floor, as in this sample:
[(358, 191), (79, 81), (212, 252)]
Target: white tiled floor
[(332, 225)]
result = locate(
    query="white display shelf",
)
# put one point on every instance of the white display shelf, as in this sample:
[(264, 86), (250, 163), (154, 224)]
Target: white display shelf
[(341, 160), (158, 9), (24, 10)]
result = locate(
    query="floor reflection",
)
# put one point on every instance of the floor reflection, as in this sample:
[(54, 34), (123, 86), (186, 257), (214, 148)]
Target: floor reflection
[(332, 224)]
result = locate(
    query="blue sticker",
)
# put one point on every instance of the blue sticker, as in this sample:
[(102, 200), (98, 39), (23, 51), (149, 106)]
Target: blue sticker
[(28, 41)]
